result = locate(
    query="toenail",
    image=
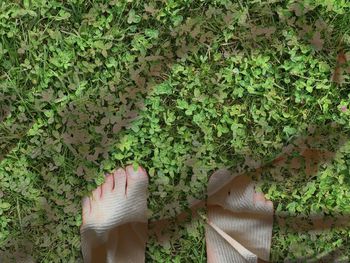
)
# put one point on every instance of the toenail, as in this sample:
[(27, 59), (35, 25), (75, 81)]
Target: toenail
[(270, 203), (132, 173), (143, 169)]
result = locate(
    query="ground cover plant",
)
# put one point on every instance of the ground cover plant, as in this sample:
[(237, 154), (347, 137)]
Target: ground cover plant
[(183, 88)]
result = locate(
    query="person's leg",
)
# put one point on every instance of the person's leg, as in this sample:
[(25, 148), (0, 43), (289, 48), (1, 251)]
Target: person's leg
[(239, 221), (114, 225)]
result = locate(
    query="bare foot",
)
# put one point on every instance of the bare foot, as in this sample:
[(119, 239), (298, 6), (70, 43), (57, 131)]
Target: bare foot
[(114, 225), (239, 223), (259, 197)]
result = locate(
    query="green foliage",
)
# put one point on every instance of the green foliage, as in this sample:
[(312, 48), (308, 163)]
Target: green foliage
[(180, 87)]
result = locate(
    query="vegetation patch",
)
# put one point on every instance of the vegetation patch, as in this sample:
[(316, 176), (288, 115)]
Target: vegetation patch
[(182, 88)]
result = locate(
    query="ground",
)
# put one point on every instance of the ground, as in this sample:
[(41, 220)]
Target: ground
[(182, 88)]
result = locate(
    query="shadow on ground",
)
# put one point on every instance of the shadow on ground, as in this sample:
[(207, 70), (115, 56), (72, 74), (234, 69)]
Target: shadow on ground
[(114, 109)]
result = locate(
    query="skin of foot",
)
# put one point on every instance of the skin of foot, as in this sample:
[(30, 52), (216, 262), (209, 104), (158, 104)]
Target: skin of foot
[(114, 225), (239, 222)]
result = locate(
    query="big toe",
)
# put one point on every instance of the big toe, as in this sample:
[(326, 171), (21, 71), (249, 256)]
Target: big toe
[(136, 178), (138, 174)]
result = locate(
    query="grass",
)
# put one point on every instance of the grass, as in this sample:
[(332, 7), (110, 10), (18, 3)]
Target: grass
[(181, 87)]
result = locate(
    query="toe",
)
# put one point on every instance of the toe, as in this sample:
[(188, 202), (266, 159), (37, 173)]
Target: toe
[(108, 184), (119, 179), (269, 204), (139, 174), (218, 179), (137, 181), (259, 197), (86, 207), (97, 193)]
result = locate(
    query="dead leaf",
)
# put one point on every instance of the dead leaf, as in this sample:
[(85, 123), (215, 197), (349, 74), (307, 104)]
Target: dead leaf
[(117, 127), (305, 29), (156, 70), (295, 163), (154, 58), (210, 12), (291, 21), (182, 52), (337, 76), (80, 170), (317, 42), (47, 95), (297, 9), (206, 37), (262, 31), (321, 24), (196, 30), (150, 9), (228, 18)]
